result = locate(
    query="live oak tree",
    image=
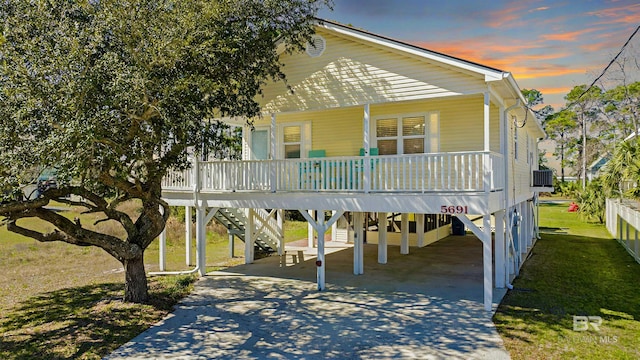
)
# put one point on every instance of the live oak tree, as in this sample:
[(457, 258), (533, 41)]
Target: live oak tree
[(112, 94)]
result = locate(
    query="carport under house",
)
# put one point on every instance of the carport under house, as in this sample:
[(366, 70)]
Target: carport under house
[(377, 141)]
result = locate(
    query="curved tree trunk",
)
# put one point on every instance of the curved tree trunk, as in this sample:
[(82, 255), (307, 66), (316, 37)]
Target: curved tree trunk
[(135, 285)]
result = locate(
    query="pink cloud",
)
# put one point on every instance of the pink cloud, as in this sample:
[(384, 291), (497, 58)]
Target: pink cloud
[(512, 58), (627, 14), (567, 36), (507, 16), (555, 90)]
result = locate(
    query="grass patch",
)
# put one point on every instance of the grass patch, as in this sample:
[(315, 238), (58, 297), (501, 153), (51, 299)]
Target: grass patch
[(61, 301), (583, 272), (86, 322)]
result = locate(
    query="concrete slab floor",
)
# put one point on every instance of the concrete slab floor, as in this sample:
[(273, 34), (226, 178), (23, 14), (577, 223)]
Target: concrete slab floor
[(425, 305)]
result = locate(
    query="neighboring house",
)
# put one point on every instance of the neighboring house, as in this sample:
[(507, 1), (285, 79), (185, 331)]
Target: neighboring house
[(593, 170), (391, 141), (599, 165)]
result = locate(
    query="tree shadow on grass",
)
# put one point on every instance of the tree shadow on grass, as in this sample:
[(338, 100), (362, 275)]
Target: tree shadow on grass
[(84, 322)]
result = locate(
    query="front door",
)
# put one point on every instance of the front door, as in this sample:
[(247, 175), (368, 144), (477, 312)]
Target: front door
[(260, 144)]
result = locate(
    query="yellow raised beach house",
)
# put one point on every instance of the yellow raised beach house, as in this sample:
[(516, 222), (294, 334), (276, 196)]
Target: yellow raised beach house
[(372, 137)]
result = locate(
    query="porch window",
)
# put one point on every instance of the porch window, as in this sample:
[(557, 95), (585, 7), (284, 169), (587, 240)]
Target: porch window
[(415, 134), (387, 134), (292, 141)]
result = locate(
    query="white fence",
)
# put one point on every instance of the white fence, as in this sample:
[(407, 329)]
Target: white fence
[(463, 171), (623, 222)]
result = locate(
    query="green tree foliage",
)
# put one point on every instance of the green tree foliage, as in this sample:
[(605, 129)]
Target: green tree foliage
[(112, 93), (621, 103), (559, 126), (592, 201), (533, 98), (585, 105), (621, 175)]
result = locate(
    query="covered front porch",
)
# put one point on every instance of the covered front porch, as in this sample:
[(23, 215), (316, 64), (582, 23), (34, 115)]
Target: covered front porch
[(471, 171)]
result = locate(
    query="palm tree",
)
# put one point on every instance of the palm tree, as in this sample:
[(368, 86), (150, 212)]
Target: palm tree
[(624, 169), (592, 201)]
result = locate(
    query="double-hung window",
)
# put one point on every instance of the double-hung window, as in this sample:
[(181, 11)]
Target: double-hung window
[(411, 134), (292, 141)]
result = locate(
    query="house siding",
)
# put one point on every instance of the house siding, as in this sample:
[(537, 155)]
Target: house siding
[(351, 72), (520, 173), (339, 131)]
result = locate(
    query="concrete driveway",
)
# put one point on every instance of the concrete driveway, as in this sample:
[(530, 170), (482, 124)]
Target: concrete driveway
[(425, 305)]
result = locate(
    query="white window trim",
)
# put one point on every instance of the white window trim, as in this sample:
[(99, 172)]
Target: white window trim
[(305, 138), (400, 149)]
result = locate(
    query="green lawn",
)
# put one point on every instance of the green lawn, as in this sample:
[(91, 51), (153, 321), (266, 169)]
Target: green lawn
[(576, 268), (60, 301)]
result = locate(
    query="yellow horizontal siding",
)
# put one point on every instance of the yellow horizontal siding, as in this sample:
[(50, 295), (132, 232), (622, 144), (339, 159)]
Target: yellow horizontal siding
[(352, 73), (339, 131)]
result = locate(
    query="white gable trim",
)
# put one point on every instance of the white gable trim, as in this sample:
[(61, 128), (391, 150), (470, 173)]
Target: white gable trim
[(490, 74)]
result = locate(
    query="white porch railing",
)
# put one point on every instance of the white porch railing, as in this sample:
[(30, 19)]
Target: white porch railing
[(435, 172), (623, 222)]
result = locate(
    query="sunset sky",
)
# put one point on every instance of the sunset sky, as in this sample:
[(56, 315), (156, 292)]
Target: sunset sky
[(551, 46)]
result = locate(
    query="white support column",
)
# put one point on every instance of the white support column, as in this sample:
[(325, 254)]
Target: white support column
[(231, 244), (358, 244), (420, 229), (163, 250), (310, 242), (500, 250), (201, 241), (487, 122), (320, 264), (334, 228), (272, 141), (366, 146), (404, 230), (532, 223), (524, 227), (280, 222), (272, 153), (321, 227), (366, 128), (485, 236), (486, 261), (521, 238), (248, 237), (382, 237), (187, 234), (486, 162), (529, 224)]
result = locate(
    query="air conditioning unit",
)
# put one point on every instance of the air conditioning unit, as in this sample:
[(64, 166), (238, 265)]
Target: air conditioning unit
[(542, 178)]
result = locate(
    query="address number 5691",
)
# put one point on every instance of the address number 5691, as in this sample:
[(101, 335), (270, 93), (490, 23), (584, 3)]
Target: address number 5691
[(454, 209)]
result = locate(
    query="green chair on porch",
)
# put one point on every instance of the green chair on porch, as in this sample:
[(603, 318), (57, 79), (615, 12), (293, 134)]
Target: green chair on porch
[(310, 171), (372, 152)]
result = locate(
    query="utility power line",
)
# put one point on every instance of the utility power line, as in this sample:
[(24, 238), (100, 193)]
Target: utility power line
[(606, 68)]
